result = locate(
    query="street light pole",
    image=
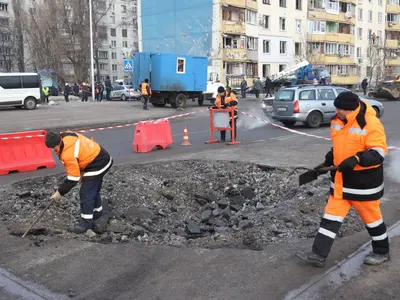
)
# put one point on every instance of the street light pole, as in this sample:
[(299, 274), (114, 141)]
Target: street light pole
[(91, 49)]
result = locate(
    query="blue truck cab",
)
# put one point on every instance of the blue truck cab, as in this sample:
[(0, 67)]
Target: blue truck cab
[(173, 78)]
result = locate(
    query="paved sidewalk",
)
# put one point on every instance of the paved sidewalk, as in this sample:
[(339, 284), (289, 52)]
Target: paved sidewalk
[(80, 115)]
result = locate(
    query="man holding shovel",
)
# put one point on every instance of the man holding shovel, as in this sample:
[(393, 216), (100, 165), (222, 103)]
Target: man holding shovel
[(359, 148), (86, 162)]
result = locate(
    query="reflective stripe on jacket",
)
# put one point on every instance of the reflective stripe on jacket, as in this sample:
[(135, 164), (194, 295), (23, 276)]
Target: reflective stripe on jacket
[(82, 158), (229, 100), (362, 135), (145, 89)]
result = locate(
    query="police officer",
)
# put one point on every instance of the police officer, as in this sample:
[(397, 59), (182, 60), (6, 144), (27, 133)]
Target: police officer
[(359, 149), (86, 162), (226, 99)]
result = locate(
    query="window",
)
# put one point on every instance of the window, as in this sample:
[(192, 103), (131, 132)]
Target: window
[(235, 43), (10, 82), (380, 35), (282, 24), (282, 3), (123, 9), (297, 49), (4, 6), (284, 95), (103, 66), (252, 70), (380, 2), (298, 25), (115, 78), (360, 14), (103, 54), (370, 16), (124, 32), (392, 17), (266, 47), (30, 82), (318, 4), (298, 4), (326, 94), (307, 95), (265, 22), (394, 2), (342, 70), (359, 33), (266, 2), (316, 26), (180, 65), (113, 32), (340, 90), (251, 17), (282, 47), (125, 44), (345, 50), (315, 48), (251, 43), (114, 67), (282, 68), (330, 48), (114, 55), (266, 70), (358, 52), (380, 17)]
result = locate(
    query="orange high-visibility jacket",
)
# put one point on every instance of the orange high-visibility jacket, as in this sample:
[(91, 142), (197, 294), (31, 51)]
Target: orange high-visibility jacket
[(82, 158), (146, 90), (229, 98), (362, 135)]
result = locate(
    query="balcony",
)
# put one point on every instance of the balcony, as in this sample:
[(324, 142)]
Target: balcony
[(325, 59), (393, 9), (234, 55), (344, 19), (233, 27), (345, 79), (252, 55), (392, 44), (392, 26), (252, 4), (341, 38), (395, 61)]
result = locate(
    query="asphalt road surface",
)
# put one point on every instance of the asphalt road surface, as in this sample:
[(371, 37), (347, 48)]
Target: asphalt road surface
[(119, 141)]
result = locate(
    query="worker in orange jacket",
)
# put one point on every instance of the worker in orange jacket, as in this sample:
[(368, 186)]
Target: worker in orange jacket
[(146, 92), (359, 149), (227, 99), (86, 162)]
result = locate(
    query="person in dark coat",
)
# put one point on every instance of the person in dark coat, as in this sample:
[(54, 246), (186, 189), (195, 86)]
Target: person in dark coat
[(108, 88), (268, 86), (76, 90), (364, 85), (243, 87), (67, 91), (101, 90)]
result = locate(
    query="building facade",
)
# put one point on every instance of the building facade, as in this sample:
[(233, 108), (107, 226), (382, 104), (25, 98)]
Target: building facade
[(5, 36), (392, 34)]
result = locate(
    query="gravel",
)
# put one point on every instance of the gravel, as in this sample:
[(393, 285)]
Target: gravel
[(203, 204)]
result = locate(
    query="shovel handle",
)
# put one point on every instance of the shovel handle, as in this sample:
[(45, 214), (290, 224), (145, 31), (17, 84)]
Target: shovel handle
[(38, 218), (327, 169)]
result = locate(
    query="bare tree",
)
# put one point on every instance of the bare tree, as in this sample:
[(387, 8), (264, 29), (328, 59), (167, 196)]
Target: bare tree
[(57, 34), (375, 54), (308, 52)]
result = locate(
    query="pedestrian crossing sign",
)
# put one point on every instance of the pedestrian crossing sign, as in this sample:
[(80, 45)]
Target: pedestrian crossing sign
[(128, 63)]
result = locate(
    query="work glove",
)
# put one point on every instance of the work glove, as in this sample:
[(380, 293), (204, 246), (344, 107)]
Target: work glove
[(348, 164), (56, 196)]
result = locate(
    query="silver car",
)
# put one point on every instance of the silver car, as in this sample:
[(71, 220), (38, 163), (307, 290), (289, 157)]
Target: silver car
[(125, 92), (312, 105)]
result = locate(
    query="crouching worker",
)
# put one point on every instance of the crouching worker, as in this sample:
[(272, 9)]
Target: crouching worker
[(227, 99), (86, 162), (359, 149)]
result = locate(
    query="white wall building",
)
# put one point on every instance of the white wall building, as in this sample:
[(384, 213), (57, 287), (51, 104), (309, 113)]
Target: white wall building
[(282, 34)]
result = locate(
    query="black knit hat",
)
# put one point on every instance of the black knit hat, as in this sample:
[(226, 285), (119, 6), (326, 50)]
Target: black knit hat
[(347, 101), (53, 139), (221, 89)]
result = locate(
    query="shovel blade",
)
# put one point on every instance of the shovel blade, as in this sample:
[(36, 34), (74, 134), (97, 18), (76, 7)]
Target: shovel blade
[(308, 176)]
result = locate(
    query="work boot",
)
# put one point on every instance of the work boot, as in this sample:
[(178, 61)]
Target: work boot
[(82, 226), (375, 259), (101, 223), (97, 214), (312, 258)]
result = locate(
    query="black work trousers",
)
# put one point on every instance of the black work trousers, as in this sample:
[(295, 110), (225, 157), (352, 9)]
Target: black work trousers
[(90, 197), (223, 132)]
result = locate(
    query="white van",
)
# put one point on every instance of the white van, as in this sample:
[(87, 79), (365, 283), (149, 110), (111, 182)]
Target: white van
[(20, 90)]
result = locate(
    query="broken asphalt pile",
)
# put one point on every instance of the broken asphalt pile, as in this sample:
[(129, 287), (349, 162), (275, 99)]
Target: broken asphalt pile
[(183, 204)]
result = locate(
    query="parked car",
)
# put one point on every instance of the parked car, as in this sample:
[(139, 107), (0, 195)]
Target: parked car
[(312, 105), (125, 92)]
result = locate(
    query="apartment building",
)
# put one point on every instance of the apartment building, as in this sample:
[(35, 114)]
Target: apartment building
[(282, 34), (370, 38), (392, 34), (5, 37)]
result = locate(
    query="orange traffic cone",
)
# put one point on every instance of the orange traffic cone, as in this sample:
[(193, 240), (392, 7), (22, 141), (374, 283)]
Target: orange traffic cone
[(185, 141)]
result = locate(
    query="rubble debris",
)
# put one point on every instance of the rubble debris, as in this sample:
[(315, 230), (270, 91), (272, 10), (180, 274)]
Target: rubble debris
[(208, 204)]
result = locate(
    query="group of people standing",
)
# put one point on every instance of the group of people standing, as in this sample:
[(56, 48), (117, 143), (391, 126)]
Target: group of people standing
[(100, 88), (268, 87)]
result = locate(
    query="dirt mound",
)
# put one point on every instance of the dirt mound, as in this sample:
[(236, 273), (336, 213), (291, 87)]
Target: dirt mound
[(186, 203)]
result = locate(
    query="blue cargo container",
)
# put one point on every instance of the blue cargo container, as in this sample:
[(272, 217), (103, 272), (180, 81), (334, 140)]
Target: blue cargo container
[(173, 78)]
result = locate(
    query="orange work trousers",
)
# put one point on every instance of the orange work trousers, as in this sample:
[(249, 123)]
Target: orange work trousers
[(335, 212)]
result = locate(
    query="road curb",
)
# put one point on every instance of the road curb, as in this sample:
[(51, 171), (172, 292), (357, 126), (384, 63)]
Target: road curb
[(339, 273)]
